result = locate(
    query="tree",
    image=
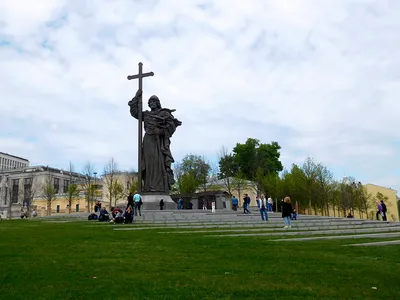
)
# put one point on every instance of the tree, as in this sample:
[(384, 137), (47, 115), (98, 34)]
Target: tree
[(310, 170), (228, 168), (132, 181), (72, 194), (72, 189), (207, 175), (193, 172), (114, 187), (253, 154), (324, 185), (178, 173), (32, 188), (362, 199), (239, 184), (271, 185), (49, 192), (87, 184)]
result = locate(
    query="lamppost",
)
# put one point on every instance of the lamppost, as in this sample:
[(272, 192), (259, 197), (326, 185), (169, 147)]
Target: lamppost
[(95, 186)]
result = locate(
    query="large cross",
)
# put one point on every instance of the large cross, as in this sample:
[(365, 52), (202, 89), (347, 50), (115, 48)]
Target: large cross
[(140, 76)]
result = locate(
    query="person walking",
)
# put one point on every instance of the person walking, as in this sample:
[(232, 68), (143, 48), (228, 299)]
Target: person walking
[(138, 202), (287, 210), (235, 203), (263, 208), (384, 210), (161, 204), (180, 204), (379, 212), (246, 204), (130, 201)]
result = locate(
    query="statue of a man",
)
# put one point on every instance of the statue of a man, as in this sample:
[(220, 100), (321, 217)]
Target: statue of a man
[(159, 126)]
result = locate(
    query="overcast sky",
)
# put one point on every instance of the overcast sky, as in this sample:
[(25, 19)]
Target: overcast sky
[(319, 77)]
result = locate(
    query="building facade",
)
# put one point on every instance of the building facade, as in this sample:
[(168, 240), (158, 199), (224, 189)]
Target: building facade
[(391, 201), (24, 188), (8, 161)]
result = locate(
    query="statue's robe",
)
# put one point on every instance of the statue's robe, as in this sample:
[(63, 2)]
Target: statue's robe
[(156, 154)]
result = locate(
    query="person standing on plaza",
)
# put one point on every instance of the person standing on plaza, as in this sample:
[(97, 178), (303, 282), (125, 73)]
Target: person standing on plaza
[(246, 204), (384, 210), (263, 208), (287, 210), (235, 203), (138, 202), (270, 204), (379, 212), (130, 201)]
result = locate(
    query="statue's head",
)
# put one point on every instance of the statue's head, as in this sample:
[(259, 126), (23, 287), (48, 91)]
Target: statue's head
[(154, 102)]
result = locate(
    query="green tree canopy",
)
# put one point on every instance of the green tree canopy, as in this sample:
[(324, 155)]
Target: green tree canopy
[(254, 155), (192, 172)]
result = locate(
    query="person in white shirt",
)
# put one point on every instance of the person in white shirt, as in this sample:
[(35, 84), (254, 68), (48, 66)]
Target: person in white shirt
[(270, 204), (263, 208)]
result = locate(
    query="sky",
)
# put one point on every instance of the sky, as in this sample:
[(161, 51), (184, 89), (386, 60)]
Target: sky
[(319, 77)]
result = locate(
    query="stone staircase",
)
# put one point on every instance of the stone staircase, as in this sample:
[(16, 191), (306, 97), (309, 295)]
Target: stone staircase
[(225, 224)]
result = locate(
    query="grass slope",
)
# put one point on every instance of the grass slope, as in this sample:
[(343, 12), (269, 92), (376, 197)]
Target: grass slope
[(74, 260)]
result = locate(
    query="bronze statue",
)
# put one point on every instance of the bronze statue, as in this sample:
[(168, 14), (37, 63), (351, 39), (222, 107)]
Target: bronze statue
[(159, 125)]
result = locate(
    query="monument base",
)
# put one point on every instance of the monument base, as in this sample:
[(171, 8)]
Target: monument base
[(152, 202)]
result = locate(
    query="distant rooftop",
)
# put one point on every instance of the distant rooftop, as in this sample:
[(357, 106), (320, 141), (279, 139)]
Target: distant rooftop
[(14, 156)]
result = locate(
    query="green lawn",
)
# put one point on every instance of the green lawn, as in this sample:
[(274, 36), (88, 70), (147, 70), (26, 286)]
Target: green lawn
[(75, 261)]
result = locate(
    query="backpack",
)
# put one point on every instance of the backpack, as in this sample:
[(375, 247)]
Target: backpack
[(384, 209)]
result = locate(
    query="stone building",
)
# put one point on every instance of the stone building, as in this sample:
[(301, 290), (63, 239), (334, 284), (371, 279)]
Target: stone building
[(8, 161), (24, 187)]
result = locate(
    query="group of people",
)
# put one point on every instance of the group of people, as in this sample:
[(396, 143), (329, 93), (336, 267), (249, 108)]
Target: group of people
[(24, 213), (381, 210), (189, 205), (265, 206), (118, 215)]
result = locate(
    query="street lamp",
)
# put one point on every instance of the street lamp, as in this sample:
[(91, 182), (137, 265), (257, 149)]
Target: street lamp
[(95, 186)]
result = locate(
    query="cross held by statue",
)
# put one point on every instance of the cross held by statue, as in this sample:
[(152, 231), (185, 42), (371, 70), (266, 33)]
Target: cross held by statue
[(140, 76)]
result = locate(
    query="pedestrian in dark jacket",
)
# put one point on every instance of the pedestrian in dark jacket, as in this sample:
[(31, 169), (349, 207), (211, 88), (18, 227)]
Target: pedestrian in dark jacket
[(131, 203), (161, 204), (287, 210), (384, 211)]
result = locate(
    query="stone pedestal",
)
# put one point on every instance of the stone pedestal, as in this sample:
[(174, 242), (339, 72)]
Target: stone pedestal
[(152, 202)]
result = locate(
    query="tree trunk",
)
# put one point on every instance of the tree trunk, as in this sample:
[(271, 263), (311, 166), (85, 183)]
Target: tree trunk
[(48, 207)]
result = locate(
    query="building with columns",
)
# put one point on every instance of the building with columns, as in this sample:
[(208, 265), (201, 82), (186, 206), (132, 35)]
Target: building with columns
[(25, 187)]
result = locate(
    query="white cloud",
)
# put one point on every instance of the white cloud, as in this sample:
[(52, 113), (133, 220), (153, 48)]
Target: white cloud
[(321, 78)]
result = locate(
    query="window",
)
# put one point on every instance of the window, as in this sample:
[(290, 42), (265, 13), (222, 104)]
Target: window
[(66, 185), (27, 189), (57, 184), (15, 191)]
